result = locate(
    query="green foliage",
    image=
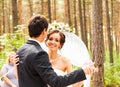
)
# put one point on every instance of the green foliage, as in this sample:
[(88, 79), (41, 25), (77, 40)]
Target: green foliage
[(112, 75), (11, 42), (112, 72), (2, 60)]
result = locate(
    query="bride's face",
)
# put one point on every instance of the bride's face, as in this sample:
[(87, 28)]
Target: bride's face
[(53, 42)]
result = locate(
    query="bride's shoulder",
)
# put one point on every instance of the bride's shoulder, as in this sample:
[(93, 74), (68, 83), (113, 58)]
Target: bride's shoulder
[(65, 59)]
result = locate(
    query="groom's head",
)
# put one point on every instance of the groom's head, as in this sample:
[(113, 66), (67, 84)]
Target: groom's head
[(37, 24)]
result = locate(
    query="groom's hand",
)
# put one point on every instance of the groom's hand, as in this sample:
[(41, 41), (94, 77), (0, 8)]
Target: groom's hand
[(89, 68)]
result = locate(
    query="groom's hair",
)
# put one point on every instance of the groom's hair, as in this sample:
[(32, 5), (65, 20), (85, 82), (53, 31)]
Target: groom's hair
[(36, 25)]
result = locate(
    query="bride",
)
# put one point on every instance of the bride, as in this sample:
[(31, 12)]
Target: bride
[(61, 65), (73, 49)]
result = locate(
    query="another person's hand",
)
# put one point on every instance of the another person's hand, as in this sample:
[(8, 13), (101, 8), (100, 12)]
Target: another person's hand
[(16, 60)]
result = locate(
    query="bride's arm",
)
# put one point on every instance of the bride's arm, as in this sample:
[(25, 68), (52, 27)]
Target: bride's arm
[(70, 69)]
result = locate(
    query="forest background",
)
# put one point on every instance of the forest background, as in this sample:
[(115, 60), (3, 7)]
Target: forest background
[(96, 22)]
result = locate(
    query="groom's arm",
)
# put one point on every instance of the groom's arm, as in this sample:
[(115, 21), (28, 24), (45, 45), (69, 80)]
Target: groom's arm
[(46, 72)]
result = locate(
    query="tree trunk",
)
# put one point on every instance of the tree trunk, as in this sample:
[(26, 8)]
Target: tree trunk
[(112, 14), (68, 12), (0, 27), (14, 14), (45, 8), (0, 34), (6, 15), (89, 29), (36, 6), (0, 18), (109, 30), (97, 43), (75, 20), (3, 16), (49, 11), (54, 17), (117, 44), (116, 24), (30, 2), (84, 25), (80, 18), (20, 12), (42, 9)]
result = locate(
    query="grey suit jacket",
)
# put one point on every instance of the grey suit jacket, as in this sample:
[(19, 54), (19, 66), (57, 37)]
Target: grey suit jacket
[(35, 70)]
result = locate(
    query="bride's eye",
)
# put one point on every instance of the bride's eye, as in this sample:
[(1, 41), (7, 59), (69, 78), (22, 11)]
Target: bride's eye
[(50, 39), (57, 40)]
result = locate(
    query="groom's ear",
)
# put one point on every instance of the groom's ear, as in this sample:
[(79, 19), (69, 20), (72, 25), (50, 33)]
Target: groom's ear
[(44, 32)]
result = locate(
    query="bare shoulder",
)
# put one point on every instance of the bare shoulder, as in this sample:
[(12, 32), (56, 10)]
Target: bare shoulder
[(65, 59)]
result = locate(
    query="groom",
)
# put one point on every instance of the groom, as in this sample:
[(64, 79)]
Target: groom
[(34, 69)]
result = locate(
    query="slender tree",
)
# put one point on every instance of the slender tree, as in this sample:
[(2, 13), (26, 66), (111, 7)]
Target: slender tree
[(14, 13), (97, 43), (68, 12), (84, 24), (3, 16), (75, 20), (112, 14), (0, 27), (45, 9), (54, 10), (42, 9), (89, 26), (80, 18), (109, 30), (9, 14), (19, 11), (116, 23), (30, 2), (0, 18), (49, 11)]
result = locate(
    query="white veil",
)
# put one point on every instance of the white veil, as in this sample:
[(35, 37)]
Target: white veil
[(75, 49)]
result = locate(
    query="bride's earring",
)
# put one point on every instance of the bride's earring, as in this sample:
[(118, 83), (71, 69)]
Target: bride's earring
[(60, 47)]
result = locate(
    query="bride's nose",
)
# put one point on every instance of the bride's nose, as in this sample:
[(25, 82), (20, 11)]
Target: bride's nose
[(53, 41)]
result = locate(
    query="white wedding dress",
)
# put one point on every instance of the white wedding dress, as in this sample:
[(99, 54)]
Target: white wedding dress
[(60, 72)]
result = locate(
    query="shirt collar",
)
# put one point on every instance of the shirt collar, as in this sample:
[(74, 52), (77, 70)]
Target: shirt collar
[(35, 41)]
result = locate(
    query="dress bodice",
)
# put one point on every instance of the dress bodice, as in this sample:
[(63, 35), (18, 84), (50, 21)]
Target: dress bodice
[(60, 72)]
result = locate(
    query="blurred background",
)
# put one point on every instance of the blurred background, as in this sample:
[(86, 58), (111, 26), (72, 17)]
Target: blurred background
[(96, 22)]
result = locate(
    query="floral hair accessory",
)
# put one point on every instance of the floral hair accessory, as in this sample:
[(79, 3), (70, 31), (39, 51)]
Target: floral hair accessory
[(60, 26)]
